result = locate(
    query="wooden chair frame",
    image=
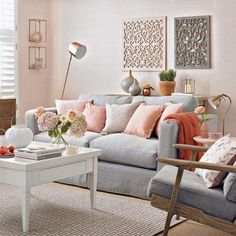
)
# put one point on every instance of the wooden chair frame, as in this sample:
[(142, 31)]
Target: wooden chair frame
[(179, 209)]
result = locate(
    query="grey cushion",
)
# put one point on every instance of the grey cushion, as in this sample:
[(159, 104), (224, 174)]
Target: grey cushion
[(82, 142), (189, 102), (101, 100), (230, 186), (193, 192), (128, 149)]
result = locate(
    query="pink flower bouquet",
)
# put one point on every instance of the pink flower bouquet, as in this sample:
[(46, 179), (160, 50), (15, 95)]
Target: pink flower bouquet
[(72, 124)]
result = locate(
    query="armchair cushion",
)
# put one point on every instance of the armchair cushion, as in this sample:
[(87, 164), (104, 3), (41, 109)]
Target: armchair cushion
[(230, 186), (223, 151), (193, 192)]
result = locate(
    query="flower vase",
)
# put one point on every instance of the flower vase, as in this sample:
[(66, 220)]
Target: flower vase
[(204, 130), (72, 150)]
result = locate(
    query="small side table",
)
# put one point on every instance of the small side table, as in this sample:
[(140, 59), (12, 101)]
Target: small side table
[(207, 142)]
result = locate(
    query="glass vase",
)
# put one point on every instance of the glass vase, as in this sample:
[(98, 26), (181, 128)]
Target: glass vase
[(204, 130)]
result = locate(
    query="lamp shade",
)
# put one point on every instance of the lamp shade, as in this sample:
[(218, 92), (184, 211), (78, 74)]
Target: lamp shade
[(77, 50), (215, 101)]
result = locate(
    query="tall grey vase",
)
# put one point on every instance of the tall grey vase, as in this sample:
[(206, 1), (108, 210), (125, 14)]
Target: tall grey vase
[(135, 89), (127, 82)]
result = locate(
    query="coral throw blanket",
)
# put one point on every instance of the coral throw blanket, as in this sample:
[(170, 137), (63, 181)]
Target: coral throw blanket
[(188, 128)]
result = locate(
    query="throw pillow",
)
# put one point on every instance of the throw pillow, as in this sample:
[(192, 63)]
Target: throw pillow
[(118, 116), (223, 151), (230, 186), (170, 108), (95, 117), (143, 120), (64, 105)]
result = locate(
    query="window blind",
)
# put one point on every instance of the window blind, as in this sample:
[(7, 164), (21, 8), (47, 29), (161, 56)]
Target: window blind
[(7, 48)]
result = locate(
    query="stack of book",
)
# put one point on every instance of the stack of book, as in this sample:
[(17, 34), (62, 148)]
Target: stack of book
[(39, 153)]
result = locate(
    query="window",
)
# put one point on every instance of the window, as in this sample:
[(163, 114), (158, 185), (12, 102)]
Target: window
[(7, 48)]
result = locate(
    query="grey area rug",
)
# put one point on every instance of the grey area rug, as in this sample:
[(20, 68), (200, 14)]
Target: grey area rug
[(64, 210)]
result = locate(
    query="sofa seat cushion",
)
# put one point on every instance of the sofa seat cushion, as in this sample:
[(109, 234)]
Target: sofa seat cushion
[(193, 192), (128, 149), (82, 142)]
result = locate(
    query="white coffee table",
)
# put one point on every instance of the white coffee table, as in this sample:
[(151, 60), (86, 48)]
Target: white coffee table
[(26, 173)]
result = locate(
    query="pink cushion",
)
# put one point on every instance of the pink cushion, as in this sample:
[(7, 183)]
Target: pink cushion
[(143, 120), (170, 109), (95, 117), (64, 105)]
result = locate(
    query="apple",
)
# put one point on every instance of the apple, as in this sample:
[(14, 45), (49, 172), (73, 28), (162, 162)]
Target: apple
[(11, 148), (3, 150)]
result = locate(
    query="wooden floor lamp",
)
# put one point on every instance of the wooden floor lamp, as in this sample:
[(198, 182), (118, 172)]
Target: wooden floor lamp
[(76, 50)]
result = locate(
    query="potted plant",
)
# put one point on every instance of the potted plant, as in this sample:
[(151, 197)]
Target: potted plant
[(167, 82)]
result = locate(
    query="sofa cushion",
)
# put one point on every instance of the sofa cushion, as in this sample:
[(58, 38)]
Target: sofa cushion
[(128, 149), (193, 193), (64, 105), (189, 102), (118, 116), (82, 142), (102, 100), (143, 120), (95, 117)]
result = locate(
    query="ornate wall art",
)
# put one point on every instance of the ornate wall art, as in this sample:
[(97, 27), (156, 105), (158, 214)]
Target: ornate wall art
[(144, 44), (192, 42)]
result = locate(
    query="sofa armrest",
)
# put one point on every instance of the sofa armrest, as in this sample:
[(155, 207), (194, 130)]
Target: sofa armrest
[(169, 136), (31, 121)]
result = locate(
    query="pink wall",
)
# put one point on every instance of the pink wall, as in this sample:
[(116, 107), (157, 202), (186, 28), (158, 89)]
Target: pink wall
[(97, 24), (33, 85)]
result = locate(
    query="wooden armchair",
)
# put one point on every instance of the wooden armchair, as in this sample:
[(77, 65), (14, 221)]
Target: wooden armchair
[(190, 199)]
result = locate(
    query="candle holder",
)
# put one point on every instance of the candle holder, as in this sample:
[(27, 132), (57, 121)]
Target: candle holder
[(188, 85)]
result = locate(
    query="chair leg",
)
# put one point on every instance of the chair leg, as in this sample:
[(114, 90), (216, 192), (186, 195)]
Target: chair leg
[(173, 199)]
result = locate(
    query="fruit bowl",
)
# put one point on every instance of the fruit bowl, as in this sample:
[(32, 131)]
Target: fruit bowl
[(7, 152)]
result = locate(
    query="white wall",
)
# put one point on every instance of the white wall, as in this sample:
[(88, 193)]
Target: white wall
[(97, 24)]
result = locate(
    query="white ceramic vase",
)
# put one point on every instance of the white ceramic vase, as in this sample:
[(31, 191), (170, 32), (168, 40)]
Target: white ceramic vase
[(19, 136)]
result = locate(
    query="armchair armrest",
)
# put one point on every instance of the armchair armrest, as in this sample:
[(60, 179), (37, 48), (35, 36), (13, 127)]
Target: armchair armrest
[(196, 164), (190, 147), (31, 122)]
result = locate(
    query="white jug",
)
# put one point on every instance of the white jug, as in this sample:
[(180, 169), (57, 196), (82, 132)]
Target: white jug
[(3, 139)]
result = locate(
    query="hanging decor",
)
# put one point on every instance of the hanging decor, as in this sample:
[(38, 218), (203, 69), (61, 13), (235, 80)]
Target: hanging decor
[(192, 42), (144, 44)]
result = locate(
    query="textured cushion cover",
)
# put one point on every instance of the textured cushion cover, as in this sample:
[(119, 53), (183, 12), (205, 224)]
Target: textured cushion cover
[(193, 192), (223, 151), (170, 109), (118, 116), (230, 186), (143, 120), (128, 149), (84, 141), (95, 117), (64, 105)]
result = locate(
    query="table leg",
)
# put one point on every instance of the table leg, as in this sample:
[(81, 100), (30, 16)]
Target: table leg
[(25, 209), (93, 183)]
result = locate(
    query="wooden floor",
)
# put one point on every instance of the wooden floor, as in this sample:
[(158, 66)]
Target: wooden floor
[(191, 228)]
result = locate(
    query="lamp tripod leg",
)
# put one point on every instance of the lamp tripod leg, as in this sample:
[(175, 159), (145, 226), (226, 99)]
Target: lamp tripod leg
[(67, 72)]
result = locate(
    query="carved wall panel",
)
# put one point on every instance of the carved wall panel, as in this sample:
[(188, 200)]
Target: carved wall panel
[(192, 42), (144, 44)]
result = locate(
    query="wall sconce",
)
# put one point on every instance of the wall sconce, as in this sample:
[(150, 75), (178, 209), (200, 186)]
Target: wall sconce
[(188, 85)]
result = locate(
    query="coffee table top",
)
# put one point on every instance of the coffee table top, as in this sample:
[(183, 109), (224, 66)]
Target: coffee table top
[(28, 164)]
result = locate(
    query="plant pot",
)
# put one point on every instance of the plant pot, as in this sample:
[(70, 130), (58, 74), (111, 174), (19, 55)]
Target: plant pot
[(166, 87)]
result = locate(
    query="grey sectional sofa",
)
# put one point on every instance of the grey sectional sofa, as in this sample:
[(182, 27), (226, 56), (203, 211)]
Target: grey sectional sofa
[(128, 162)]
